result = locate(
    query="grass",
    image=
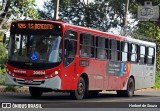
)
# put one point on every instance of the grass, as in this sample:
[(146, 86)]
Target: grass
[(157, 82), (11, 88), (2, 75), (2, 78)]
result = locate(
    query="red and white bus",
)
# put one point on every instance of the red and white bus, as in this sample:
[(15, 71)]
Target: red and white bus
[(48, 55)]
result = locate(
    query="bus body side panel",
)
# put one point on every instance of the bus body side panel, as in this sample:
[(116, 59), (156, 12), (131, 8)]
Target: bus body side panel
[(97, 73), (117, 75), (143, 75)]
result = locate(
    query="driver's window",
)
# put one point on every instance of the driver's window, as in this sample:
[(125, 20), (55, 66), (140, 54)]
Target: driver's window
[(70, 46)]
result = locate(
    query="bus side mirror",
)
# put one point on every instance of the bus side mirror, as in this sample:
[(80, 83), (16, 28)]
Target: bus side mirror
[(4, 39)]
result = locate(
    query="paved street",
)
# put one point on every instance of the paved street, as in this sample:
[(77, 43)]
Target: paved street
[(64, 99), (61, 101)]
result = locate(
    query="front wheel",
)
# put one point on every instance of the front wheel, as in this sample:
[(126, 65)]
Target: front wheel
[(80, 92), (35, 92)]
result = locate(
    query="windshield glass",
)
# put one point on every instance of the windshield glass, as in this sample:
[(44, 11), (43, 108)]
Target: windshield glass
[(35, 48)]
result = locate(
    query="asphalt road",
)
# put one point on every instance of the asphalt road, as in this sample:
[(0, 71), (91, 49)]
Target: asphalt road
[(63, 100)]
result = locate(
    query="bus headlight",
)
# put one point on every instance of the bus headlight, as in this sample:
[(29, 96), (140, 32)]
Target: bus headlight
[(56, 72), (13, 74)]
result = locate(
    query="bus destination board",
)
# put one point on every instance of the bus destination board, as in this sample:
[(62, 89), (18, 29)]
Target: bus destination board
[(35, 26)]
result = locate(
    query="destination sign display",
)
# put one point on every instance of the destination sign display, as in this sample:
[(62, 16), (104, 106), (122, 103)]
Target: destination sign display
[(35, 26)]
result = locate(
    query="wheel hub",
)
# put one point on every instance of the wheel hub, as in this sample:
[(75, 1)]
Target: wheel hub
[(80, 88)]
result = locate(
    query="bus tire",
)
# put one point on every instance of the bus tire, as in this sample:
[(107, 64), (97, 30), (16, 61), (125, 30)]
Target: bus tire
[(130, 89), (35, 92), (80, 92)]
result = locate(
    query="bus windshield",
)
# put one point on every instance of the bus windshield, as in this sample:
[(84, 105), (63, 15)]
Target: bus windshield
[(36, 48)]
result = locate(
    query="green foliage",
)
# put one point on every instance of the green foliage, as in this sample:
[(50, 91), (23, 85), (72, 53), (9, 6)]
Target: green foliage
[(2, 54), (150, 32), (2, 78), (14, 9), (157, 83), (10, 88), (96, 14)]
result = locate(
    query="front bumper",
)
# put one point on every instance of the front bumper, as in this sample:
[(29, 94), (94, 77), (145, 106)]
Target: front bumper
[(51, 83)]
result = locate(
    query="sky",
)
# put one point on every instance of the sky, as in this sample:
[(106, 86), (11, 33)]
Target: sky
[(40, 3)]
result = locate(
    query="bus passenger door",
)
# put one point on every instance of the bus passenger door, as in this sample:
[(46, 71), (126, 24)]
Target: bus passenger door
[(70, 49)]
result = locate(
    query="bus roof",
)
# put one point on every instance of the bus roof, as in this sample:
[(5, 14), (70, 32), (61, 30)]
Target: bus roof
[(100, 33), (129, 39), (137, 41)]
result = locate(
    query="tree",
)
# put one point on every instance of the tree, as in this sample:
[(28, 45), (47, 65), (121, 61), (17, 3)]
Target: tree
[(2, 54), (14, 9), (97, 14)]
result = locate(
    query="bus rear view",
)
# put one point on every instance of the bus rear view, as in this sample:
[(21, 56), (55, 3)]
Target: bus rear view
[(35, 55)]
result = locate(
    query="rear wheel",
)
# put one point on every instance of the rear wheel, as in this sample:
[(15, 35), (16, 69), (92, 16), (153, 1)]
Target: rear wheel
[(130, 89), (35, 92), (80, 92)]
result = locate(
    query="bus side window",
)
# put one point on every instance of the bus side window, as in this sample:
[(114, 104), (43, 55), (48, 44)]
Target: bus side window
[(142, 55), (134, 53), (86, 45), (113, 50), (106, 48), (124, 49), (70, 47), (150, 55), (101, 46)]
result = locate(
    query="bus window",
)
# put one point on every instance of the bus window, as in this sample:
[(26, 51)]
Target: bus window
[(107, 47), (142, 54), (86, 45), (134, 50), (101, 52), (150, 57), (124, 49), (70, 46), (114, 45)]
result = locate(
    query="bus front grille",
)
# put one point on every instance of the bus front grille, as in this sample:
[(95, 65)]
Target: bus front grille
[(28, 82)]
